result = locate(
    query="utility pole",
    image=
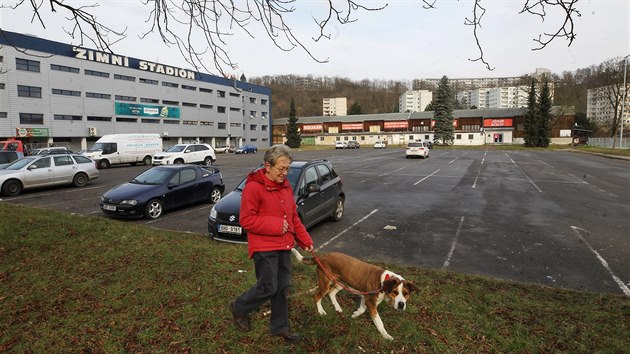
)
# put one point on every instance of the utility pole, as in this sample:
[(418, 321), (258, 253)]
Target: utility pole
[(623, 100)]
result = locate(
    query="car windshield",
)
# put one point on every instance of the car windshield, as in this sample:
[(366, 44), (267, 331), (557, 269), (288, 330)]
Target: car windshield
[(415, 145), (153, 176), (18, 164), (294, 174), (176, 148), (98, 147)]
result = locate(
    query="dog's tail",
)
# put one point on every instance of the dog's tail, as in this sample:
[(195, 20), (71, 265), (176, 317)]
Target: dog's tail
[(301, 258)]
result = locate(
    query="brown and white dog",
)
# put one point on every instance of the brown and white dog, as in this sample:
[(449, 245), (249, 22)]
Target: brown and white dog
[(380, 284)]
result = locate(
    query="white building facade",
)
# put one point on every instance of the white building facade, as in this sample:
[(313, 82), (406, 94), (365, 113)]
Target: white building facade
[(600, 110), (337, 106), (414, 101), (53, 93)]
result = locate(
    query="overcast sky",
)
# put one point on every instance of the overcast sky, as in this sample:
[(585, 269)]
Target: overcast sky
[(401, 42)]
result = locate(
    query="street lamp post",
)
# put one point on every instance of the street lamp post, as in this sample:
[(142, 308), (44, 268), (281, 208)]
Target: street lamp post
[(623, 101)]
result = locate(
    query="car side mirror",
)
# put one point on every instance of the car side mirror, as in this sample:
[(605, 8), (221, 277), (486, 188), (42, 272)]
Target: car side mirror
[(171, 185), (313, 188), (32, 167)]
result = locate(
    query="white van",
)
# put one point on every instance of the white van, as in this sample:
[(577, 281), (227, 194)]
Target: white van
[(125, 148)]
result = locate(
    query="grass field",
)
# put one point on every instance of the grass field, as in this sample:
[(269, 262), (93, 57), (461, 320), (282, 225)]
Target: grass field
[(73, 284)]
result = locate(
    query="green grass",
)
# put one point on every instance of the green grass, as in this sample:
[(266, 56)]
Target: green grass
[(71, 284)]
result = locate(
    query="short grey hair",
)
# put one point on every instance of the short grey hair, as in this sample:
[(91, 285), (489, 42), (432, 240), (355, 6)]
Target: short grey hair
[(277, 151)]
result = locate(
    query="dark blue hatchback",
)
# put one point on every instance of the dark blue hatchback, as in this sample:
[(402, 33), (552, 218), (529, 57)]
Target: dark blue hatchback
[(163, 188)]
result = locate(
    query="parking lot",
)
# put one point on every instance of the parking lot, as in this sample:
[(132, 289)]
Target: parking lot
[(556, 218)]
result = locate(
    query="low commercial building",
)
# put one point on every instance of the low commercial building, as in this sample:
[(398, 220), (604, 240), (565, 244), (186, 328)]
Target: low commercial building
[(472, 127), (53, 93)]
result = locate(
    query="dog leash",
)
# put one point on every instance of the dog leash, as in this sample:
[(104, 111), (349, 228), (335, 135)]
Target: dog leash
[(347, 288)]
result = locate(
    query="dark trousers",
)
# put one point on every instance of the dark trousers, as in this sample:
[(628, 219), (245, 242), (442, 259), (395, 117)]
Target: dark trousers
[(273, 274)]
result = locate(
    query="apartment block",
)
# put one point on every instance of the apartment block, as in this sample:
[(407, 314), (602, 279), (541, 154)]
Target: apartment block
[(337, 106), (414, 101)]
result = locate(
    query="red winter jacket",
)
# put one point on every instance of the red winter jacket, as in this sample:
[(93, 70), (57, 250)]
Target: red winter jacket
[(265, 205)]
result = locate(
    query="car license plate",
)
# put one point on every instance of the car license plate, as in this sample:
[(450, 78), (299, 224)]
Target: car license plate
[(109, 207), (229, 229)]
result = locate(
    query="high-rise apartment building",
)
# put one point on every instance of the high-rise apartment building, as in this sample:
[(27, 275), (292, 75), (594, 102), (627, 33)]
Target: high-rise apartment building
[(337, 106), (600, 110), (414, 101)]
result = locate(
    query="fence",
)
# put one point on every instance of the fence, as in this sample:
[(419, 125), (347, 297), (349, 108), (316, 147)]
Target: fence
[(608, 142)]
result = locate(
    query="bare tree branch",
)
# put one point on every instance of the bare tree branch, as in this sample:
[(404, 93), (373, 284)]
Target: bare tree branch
[(566, 30), (478, 12)]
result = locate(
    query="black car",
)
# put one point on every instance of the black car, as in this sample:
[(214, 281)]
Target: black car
[(317, 191), (163, 188), (353, 144)]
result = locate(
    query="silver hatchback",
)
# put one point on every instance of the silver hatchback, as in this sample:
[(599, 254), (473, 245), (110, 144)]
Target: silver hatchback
[(45, 171)]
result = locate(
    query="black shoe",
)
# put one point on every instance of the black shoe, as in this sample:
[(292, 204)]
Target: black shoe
[(241, 322), (289, 337)]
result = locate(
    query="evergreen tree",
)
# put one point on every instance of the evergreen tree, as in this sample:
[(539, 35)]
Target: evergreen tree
[(243, 78), (531, 130), (543, 116), (293, 135), (355, 109), (443, 113), (429, 107)]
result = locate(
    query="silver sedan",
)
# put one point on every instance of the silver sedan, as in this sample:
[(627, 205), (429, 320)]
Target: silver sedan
[(44, 171)]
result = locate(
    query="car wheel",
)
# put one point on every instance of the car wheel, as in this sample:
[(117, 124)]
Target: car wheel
[(154, 209), (207, 161), (215, 195), (147, 160), (103, 164), (338, 212), (11, 188), (80, 180), (178, 162)]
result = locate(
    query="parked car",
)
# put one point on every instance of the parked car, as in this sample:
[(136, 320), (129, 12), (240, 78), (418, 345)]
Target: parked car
[(163, 188), (428, 143), (246, 149), (51, 150), (380, 145), (353, 144), (45, 171), (317, 190), (186, 153), (223, 149), (417, 148), (341, 145)]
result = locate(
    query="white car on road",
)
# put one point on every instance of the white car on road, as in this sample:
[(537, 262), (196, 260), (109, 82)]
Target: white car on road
[(417, 149), (186, 153)]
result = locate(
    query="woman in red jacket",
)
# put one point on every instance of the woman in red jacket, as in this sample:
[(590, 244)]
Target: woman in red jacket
[(269, 214)]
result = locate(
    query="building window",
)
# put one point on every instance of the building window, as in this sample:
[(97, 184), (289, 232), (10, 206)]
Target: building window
[(263, 128), (232, 94), (208, 106), (458, 136), (470, 137), (126, 120), (66, 92), (222, 126), (68, 69), (220, 93), (186, 87), (149, 100), (220, 109), (263, 101), (124, 77), (95, 73), (253, 127), (148, 81), (27, 65), (169, 84), (205, 90), (1, 85), (31, 118), (253, 114), (3, 114), (170, 121), (66, 117), (150, 121), (105, 96), (235, 109), (99, 119), (206, 123), (174, 103), (125, 98), (29, 91), (188, 104), (252, 100)]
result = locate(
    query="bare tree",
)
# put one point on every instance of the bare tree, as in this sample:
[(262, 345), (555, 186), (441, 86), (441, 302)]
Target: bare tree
[(610, 79), (200, 28)]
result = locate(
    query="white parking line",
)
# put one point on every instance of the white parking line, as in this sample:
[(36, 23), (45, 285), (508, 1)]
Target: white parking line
[(622, 286), (588, 184), (344, 231), (455, 159), (524, 174), (427, 176), (450, 252)]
